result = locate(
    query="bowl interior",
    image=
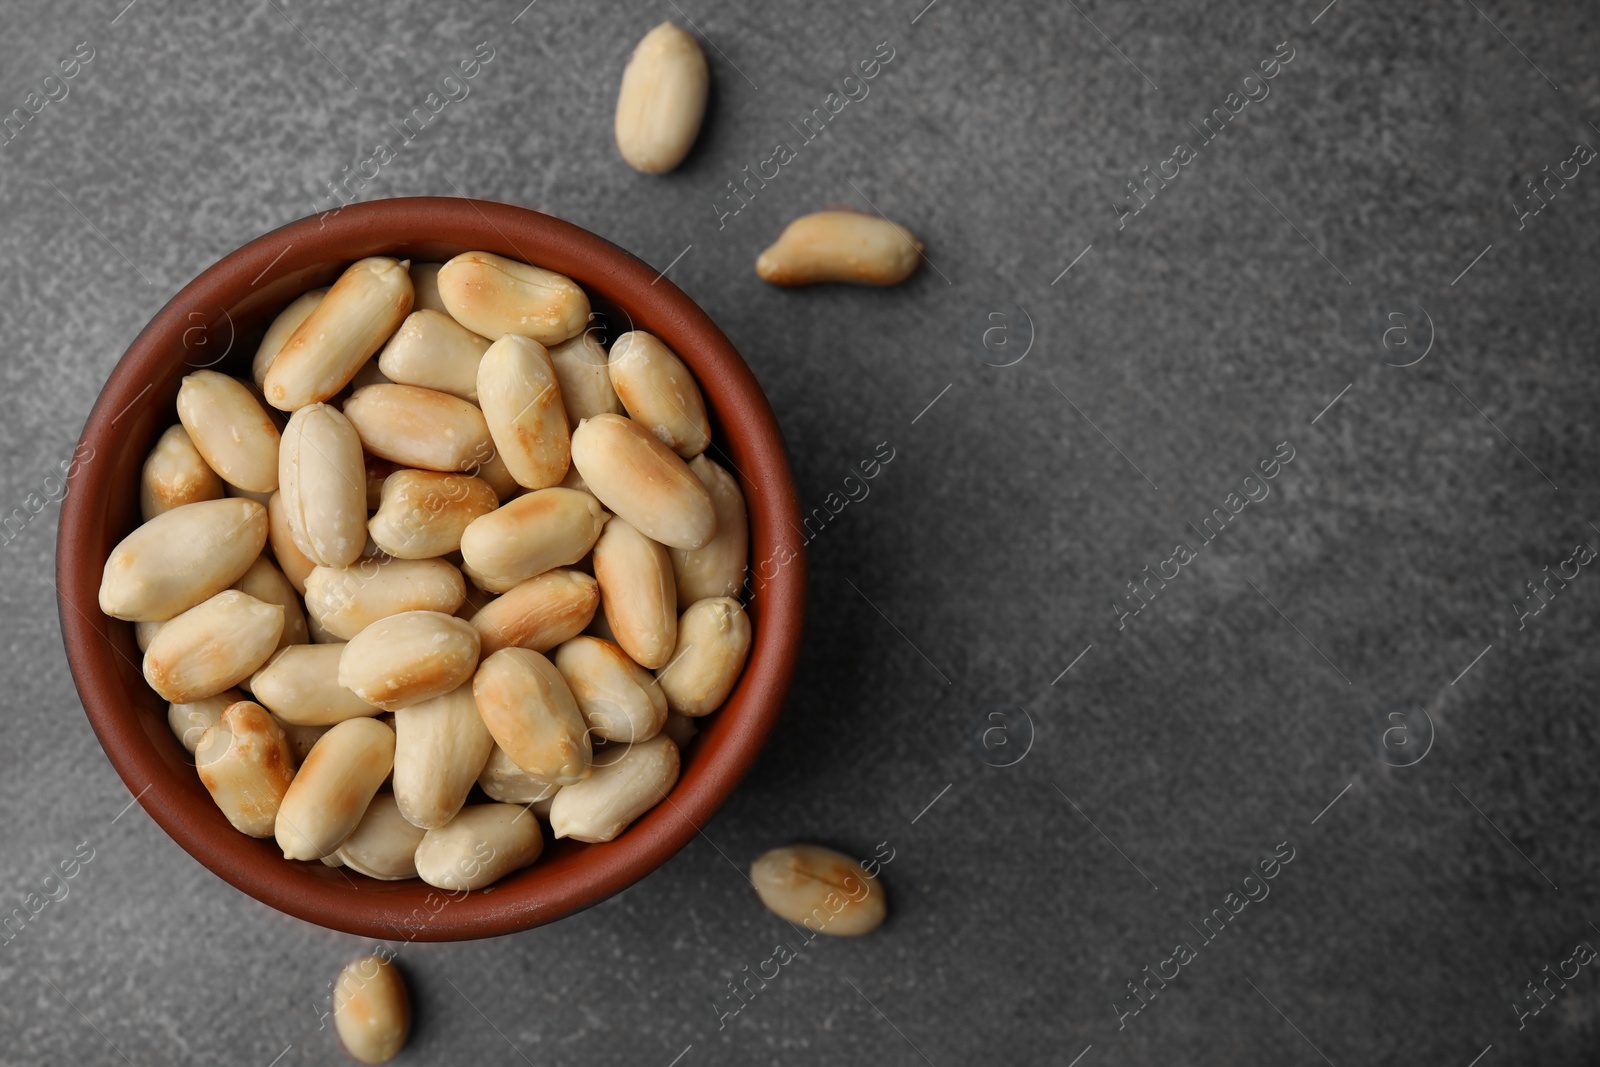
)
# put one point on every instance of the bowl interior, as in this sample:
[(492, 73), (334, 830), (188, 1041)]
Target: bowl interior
[(216, 322)]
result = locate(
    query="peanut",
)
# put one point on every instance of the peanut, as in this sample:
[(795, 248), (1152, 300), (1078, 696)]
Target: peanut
[(267, 584), (335, 784), (213, 646), (521, 402), (659, 392), (384, 844), (713, 641), (190, 721), (482, 844), (809, 884), (323, 485), (539, 613), (582, 370), (300, 685), (433, 351), (637, 593), (419, 427), (245, 764), (493, 296), (662, 100), (182, 557), (840, 246), (643, 481), (342, 332), (282, 328), (717, 568), (407, 658), (619, 699), (503, 780), (371, 1009), (294, 563), (346, 601), (528, 708), (421, 514), (440, 748), (230, 429), (619, 791), (531, 534), (175, 474)]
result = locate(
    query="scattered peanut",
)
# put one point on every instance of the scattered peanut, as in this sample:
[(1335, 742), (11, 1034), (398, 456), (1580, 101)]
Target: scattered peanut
[(371, 1009), (662, 100), (840, 246), (809, 884)]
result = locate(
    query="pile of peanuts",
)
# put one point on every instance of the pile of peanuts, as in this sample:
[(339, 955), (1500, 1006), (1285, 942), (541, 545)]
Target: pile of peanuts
[(462, 563)]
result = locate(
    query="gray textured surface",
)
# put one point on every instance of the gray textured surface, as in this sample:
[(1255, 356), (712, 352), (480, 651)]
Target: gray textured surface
[(989, 552)]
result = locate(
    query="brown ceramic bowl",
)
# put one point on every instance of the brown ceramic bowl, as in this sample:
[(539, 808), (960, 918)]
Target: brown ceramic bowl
[(216, 321)]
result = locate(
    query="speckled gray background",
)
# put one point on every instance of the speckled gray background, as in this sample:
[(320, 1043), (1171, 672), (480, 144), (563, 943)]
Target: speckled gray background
[(1359, 614)]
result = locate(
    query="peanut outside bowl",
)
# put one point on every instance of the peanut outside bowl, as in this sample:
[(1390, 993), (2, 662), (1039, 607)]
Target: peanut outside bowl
[(215, 322)]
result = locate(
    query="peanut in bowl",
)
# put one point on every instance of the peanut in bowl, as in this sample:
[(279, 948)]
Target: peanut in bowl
[(214, 324)]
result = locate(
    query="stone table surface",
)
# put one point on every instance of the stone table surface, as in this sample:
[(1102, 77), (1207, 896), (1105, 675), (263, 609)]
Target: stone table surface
[(1340, 275)]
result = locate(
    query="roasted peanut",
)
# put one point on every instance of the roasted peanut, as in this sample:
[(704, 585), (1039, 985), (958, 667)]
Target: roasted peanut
[(713, 641), (294, 563), (371, 1009), (300, 685), (493, 296), (407, 658), (145, 632), (175, 474), (527, 706), (342, 332), (619, 699), (717, 568), (503, 780), (419, 427), (384, 844), (482, 844), (582, 369), (434, 351), (213, 646), (531, 534), (620, 790), (282, 328), (643, 481), (190, 721), (539, 613), (440, 748), (637, 593), (348, 600), (840, 246), (230, 429), (302, 739), (245, 764), (422, 514), (182, 557), (323, 485), (823, 890), (267, 584), (662, 100), (333, 788), (494, 471), (521, 402), (659, 392), (425, 288)]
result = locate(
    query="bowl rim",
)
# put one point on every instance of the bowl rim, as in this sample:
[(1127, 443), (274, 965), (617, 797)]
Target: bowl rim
[(722, 755)]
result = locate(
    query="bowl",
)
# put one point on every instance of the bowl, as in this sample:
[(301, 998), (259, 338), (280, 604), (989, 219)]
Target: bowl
[(215, 321)]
